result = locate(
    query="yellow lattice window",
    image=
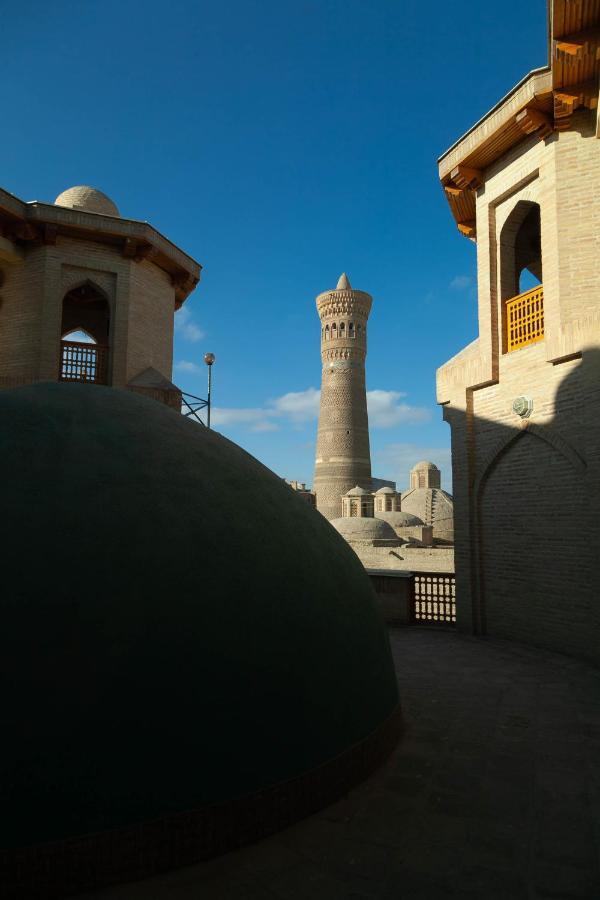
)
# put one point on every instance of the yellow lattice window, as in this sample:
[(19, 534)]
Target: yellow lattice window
[(525, 319)]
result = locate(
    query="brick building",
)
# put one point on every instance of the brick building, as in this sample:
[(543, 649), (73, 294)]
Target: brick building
[(343, 457), (75, 267), (522, 400)]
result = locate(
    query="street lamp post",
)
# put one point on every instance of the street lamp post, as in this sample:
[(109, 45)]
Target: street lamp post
[(209, 359)]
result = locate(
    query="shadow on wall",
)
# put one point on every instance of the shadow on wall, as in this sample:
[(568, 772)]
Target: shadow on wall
[(527, 516)]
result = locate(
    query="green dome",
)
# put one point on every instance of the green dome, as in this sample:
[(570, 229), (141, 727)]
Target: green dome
[(179, 628)]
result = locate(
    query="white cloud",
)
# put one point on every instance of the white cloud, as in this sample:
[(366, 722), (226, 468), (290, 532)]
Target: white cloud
[(461, 282), (191, 367), (386, 410), (295, 407), (395, 461), (185, 327), (300, 406), (256, 419), (265, 425)]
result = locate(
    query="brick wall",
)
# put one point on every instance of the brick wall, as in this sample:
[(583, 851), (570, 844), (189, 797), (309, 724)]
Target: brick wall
[(525, 490), (151, 319), (140, 296)]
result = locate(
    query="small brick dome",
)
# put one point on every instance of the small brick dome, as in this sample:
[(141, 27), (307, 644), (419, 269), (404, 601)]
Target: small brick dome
[(88, 199), (358, 492), (399, 519), (366, 528)]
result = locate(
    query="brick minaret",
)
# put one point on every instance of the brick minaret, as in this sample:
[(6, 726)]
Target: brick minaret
[(343, 455)]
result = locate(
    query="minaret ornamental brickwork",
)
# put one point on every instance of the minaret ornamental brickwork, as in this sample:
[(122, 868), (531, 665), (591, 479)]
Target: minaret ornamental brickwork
[(343, 456)]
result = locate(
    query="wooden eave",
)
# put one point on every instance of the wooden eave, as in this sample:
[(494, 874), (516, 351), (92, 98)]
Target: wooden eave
[(575, 50), (42, 222), (542, 102), (489, 139)]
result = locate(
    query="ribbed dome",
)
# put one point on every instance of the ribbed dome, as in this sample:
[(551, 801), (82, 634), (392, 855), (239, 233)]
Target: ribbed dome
[(178, 627), (87, 198), (425, 464), (430, 505), (385, 490), (365, 528)]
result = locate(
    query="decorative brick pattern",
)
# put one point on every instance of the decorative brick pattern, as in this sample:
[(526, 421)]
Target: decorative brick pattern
[(343, 457)]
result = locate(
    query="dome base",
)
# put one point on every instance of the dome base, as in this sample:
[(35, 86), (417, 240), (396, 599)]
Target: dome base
[(87, 862)]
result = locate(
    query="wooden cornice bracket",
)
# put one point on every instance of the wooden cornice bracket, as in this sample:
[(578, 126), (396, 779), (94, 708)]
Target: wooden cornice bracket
[(532, 120), (573, 47), (181, 280), (136, 250), (49, 234), (464, 177), (568, 99), (144, 251), (563, 123), (468, 228), (24, 231), (184, 284), (452, 191), (130, 248)]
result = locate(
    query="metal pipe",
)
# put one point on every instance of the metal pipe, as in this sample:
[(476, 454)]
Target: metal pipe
[(209, 359)]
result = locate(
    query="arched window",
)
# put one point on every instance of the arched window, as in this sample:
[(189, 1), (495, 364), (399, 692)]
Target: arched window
[(85, 335), (359, 329), (521, 288), (342, 329), (327, 332), (351, 329), (333, 331)]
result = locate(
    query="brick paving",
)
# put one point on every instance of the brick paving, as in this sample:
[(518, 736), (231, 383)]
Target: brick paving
[(493, 793)]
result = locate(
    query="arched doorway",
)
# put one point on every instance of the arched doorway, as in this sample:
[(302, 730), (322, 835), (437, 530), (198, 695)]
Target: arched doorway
[(84, 345)]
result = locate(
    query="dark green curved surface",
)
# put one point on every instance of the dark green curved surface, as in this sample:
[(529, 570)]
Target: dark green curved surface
[(178, 627)]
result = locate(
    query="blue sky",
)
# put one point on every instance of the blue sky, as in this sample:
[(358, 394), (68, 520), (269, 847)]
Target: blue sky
[(279, 144)]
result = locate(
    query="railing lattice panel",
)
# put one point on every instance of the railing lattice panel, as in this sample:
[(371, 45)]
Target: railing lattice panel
[(434, 599), (525, 319), (83, 362)]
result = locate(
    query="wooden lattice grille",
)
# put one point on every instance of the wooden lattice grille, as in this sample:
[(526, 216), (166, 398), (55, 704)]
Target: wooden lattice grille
[(434, 599), (83, 362), (525, 319)]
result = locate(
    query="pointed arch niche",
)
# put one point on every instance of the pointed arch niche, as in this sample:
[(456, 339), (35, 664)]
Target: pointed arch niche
[(532, 506), (521, 289), (85, 330)]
